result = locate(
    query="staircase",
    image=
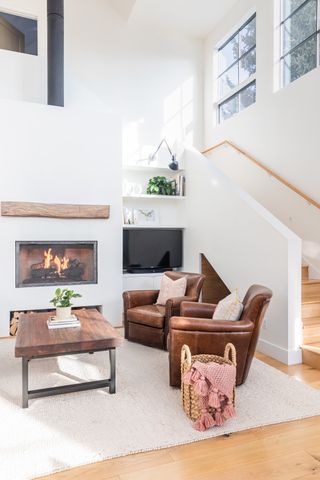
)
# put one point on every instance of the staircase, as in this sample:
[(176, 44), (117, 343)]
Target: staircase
[(310, 319)]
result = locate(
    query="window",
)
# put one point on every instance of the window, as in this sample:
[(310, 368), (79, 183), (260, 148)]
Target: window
[(18, 34), (299, 38), (237, 68)]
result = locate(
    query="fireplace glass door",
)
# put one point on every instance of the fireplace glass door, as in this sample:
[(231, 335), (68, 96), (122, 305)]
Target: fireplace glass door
[(55, 263)]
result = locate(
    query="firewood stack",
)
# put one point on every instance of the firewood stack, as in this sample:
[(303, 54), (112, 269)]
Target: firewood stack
[(14, 323)]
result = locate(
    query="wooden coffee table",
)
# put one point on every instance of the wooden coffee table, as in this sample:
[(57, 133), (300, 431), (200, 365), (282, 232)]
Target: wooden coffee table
[(35, 340)]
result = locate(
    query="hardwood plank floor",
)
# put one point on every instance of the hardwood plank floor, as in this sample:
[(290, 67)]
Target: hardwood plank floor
[(287, 451)]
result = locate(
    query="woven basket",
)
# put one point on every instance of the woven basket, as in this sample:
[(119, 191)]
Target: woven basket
[(190, 400)]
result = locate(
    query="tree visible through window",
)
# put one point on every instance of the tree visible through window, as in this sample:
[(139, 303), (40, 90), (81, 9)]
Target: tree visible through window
[(299, 38), (237, 68)]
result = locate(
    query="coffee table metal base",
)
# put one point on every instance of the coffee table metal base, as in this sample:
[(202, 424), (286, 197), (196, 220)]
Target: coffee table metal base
[(75, 387)]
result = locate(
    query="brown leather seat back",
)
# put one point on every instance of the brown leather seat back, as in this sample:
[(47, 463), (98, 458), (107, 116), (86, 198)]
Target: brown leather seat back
[(255, 304), (194, 282)]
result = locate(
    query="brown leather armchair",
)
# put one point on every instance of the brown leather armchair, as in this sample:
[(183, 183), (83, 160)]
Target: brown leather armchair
[(196, 328), (147, 323)]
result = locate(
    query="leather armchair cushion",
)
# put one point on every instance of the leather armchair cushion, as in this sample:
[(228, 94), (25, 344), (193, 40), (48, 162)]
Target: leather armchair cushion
[(150, 315)]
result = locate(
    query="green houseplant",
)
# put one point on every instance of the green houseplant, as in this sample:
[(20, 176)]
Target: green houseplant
[(62, 302), (160, 186)]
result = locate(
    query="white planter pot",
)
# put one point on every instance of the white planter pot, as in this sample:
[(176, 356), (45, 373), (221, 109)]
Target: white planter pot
[(62, 313)]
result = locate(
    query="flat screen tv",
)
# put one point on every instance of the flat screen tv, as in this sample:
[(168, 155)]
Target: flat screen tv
[(151, 249)]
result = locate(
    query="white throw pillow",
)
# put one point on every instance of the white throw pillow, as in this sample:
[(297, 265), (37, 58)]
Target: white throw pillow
[(171, 289), (230, 308)]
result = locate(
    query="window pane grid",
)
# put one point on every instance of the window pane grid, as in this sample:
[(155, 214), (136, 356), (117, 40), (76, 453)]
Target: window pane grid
[(237, 32), (237, 61), (300, 44), (303, 56), (303, 4), (237, 66), (237, 102)]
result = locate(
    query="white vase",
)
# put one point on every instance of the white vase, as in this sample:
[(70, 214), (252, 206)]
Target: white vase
[(62, 313)]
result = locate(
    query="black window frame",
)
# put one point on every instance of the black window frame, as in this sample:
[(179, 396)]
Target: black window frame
[(234, 95), (315, 35), (236, 91)]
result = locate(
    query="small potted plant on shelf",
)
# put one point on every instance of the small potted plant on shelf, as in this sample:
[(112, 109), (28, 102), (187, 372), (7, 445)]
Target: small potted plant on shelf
[(62, 302), (160, 186)]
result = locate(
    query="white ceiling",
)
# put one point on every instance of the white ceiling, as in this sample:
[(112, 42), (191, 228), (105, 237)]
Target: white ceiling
[(192, 17)]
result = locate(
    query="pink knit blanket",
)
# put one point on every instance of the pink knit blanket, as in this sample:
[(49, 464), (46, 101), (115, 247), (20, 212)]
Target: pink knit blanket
[(214, 383)]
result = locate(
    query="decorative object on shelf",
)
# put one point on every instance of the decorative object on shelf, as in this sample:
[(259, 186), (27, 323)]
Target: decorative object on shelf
[(160, 186), (145, 217), (181, 182), (173, 165), (62, 302), (128, 218), (131, 188)]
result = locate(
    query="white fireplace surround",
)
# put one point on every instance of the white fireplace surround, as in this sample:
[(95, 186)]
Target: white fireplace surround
[(59, 155)]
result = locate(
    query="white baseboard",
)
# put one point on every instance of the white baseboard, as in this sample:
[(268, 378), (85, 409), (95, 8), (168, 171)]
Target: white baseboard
[(288, 357)]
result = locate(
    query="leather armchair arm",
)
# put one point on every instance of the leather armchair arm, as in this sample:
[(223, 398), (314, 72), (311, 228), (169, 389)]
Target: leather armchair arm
[(137, 298), (205, 325), (197, 310), (174, 304), (173, 308)]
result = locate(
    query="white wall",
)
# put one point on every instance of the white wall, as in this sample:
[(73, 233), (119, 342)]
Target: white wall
[(246, 245), (57, 155), (151, 78), (295, 212), (280, 130), (23, 77)]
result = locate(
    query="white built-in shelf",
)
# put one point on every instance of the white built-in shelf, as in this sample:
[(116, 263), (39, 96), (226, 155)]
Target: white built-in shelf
[(132, 226), (151, 168), (155, 197)]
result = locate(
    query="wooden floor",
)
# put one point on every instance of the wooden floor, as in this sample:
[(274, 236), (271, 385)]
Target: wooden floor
[(279, 452)]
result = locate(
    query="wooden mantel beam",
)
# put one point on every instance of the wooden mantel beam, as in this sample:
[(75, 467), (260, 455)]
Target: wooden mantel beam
[(54, 210)]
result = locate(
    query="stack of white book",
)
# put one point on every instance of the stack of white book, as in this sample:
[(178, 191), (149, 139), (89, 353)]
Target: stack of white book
[(70, 322)]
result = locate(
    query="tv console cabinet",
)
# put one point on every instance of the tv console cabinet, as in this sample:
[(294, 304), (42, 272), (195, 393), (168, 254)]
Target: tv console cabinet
[(141, 281)]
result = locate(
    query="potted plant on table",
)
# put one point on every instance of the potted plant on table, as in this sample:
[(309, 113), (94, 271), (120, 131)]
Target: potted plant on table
[(62, 302)]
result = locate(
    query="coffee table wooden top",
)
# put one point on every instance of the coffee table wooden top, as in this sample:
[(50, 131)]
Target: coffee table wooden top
[(34, 339)]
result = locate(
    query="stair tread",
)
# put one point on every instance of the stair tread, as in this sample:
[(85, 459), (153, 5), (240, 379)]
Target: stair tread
[(312, 320), (307, 302), (312, 347), (312, 324), (311, 282)]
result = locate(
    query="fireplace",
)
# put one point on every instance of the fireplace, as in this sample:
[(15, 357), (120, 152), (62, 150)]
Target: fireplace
[(55, 263)]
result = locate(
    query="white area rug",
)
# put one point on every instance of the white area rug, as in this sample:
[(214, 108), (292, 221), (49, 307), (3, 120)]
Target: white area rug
[(65, 431)]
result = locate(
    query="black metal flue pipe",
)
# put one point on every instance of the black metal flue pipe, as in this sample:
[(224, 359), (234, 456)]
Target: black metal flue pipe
[(55, 52)]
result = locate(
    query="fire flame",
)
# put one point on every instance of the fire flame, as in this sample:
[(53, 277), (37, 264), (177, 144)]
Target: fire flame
[(65, 263), (47, 258), (59, 263)]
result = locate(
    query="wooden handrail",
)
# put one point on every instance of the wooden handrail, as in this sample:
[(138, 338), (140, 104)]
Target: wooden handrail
[(263, 167)]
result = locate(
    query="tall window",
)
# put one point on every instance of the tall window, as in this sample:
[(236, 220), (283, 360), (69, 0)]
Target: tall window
[(237, 69), (300, 28)]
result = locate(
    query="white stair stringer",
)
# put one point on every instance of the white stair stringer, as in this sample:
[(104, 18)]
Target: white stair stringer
[(246, 244)]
